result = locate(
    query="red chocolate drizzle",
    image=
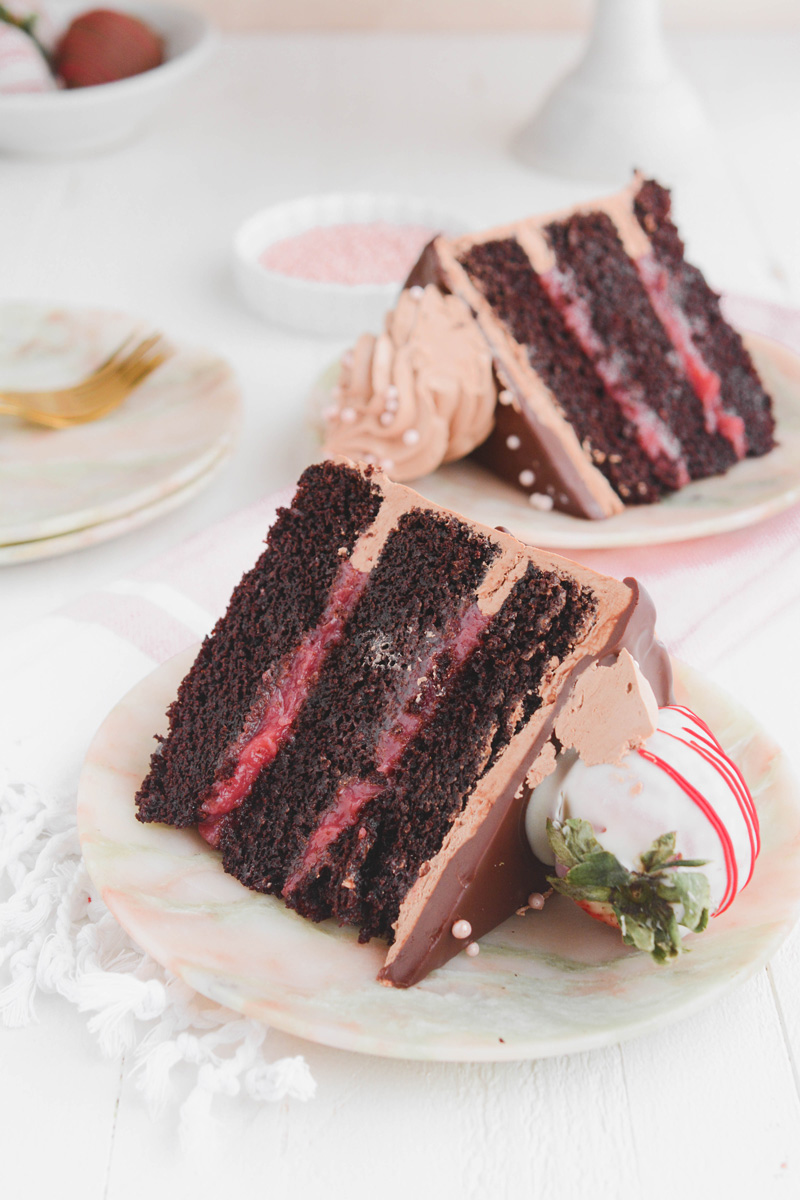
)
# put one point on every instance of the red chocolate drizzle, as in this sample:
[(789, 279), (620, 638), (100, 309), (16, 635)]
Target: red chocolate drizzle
[(273, 713), (707, 746), (711, 815)]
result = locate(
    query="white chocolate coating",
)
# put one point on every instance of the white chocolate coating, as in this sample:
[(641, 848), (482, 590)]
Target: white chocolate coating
[(633, 802)]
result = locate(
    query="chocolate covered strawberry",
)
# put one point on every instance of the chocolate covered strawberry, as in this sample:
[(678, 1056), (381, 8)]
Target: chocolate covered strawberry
[(103, 46), (603, 826)]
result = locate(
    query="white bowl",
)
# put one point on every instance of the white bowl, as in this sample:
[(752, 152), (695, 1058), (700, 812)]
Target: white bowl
[(75, 120), (326, 309)]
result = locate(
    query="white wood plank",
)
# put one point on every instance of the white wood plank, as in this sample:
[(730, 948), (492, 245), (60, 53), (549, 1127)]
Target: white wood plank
[(714, 1100), (58, 1097), (784, 973), (417, 1129)]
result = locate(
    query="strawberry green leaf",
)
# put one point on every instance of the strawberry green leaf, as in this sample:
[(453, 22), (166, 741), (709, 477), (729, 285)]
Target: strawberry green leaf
[(649, 905)]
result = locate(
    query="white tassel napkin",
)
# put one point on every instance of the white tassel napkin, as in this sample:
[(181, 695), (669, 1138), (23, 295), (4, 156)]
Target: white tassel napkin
[(60, 676)]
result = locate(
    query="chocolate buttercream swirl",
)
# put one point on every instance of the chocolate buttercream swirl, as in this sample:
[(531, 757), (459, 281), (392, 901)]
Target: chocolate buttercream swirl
[(421, 394)]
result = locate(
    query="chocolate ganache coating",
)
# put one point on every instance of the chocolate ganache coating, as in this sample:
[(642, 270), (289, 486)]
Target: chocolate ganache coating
[(491, 876)]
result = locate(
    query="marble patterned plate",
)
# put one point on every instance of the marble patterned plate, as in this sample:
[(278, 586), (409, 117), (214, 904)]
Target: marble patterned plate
[(91, 535), (751, 491), (544, 984), (169, 432)]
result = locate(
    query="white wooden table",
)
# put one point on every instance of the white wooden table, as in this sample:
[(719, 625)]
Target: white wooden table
[(709, 1107)]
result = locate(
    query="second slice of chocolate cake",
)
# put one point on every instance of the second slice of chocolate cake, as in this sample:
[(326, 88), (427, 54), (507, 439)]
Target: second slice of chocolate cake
[(621, 379), (359, 733)]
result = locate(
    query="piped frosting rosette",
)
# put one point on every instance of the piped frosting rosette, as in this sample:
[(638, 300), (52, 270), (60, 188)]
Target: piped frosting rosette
[(655, 843), (420, 394)]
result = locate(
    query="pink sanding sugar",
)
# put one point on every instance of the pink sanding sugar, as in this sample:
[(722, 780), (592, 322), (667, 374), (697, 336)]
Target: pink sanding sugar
[(373, 253)]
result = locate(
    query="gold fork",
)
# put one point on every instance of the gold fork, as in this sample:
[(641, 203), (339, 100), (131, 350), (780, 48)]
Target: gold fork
[(103, 390)]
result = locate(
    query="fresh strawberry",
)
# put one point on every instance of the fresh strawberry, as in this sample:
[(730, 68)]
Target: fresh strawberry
[(103, 46), (600, 912)]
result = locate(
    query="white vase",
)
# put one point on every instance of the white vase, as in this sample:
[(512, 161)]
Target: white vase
[(623, 106)]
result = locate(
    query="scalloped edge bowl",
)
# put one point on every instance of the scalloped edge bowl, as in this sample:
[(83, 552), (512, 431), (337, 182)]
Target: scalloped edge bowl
[(325, 309)]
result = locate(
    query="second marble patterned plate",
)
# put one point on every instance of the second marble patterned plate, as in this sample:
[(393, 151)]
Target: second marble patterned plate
[(749, 492), (548, 983), (169, 432)]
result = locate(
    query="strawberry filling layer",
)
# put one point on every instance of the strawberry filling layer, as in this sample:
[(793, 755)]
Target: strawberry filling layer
[(273, 713), (424, 690), (706, 383), (653, 435)]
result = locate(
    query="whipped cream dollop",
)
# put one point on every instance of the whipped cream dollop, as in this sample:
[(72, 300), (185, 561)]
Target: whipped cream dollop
[(678, 780), (421, 394)]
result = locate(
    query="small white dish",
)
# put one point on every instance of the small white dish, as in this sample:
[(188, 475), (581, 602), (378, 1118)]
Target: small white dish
[(325, 309), (77, 120)]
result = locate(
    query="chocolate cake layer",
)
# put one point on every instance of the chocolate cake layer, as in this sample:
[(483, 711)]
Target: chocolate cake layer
[(271, 609), (503, 273), (621, 379), (423, 581), (720, 345), (372, 865), (599, 288)]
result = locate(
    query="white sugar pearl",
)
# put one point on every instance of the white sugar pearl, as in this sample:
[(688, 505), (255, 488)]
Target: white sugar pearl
[(461, 929), (386, 464), (540, 501), (348, 415), (411, 437), (505, 397), (416, 292), (536, 900), (513, 442), (386, 418), (336, 392), (472, 949), (391, 403), (527, 478), (392, 392)]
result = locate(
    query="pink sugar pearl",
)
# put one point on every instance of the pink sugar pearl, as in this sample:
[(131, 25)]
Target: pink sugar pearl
[(373, 253)]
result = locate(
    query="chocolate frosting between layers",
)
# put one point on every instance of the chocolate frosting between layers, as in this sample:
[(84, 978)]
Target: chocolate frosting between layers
[(490, 876)]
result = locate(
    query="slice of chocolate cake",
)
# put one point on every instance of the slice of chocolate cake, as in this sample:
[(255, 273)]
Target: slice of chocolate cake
[(360, 732), (621, 380)]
